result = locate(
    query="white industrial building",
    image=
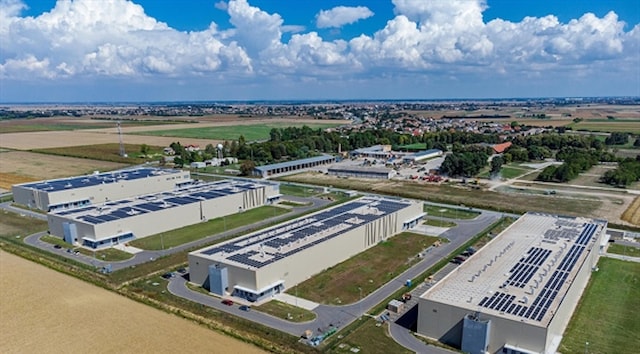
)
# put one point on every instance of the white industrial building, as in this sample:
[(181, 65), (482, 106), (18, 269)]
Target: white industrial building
[(422, 156), (517, 294), (107, 224), (261, 264), (361, 172), (73, 192)]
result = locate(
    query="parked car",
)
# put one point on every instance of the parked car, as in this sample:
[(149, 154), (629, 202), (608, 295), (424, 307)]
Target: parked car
[(167, 275), (245, 308), (57, 247), (181, 270), (227, 302)]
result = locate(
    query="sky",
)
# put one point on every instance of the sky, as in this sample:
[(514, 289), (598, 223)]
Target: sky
[(217, 50)]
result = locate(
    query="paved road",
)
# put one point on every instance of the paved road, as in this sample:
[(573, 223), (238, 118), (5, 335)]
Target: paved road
[(341, 316), (146, 256)]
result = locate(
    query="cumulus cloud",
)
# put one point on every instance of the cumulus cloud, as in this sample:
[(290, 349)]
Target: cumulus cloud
[(342, 15), (116, 38)]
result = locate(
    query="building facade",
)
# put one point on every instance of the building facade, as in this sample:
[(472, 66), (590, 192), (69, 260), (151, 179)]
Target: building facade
[(292, 166), (264, 263), (361, 172), (74, 192), (517, 294)]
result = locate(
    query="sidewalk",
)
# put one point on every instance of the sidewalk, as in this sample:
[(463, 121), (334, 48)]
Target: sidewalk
[(296, 301)]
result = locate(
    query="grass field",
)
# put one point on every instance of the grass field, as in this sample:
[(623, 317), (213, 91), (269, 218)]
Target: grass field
[(623, 250), (12, 225), (107, 152), (416, 146), (439, 223), (299, 191), (250, 132), (606, 316), (508, 172), (455, 195), (368, 338), (451, 213), (368, 270), (610, 126), (190, 233), (285, 311)]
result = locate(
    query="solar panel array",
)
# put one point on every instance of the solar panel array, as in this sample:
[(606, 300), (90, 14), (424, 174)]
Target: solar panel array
[(94, 180), (526, 267), (292, 237), (154, 202)]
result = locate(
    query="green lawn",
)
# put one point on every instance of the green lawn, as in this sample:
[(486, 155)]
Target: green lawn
[(233, 132), (368, 270), (293, 204), (368, 338), (299, 191), (607, 315), (109, 254), (12, 225), (416, 146), (285, 311), (439, 223), (624, 250), (508, 172), (450, 213), (198, 231)]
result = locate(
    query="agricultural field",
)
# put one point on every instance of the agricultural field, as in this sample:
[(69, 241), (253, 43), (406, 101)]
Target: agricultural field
[(65, 317), (632, 214), (609, 125), (107, 152), (23, 166), (66, 123), (614, 290), (255, 132), (367, 270)]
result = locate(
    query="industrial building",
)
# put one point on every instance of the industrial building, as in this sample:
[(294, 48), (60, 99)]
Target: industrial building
[(107, 224), (74, 192), (422, 155), (517, 294), (375, 151), (291, 166), (262, 264), (361, 172)]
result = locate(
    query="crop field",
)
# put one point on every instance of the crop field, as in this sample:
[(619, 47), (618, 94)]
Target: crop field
[(71, 316), (606, 316), (622, 125), (368, 270), (21, 166), (107, 152), (250, 132), (632, 214), (66, 123)]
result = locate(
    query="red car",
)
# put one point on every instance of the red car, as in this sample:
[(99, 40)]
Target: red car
[(227, 302)]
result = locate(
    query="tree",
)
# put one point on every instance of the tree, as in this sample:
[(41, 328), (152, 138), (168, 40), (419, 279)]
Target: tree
[(496, 164), (246, 168), (617, 138), (144, 149)]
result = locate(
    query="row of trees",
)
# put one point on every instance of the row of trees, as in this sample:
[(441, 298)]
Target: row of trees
[(575, 162), (628, 171), (466, 163)]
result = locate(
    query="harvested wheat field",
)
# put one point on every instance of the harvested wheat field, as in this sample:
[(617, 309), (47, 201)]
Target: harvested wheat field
[(17, 165), (44, 311), (632, 214)]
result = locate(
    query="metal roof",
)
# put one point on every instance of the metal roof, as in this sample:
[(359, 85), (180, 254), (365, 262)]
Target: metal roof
[(360, 170), (286, 164), (525, 272)]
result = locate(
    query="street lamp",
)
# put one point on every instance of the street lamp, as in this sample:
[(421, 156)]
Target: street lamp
[(586, 347)]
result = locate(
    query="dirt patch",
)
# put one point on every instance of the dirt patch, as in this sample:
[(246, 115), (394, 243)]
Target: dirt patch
[(632, 214), (40, 166), (54, 313)]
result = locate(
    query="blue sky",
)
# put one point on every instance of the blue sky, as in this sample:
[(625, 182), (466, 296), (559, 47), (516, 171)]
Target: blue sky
[(164, 50)]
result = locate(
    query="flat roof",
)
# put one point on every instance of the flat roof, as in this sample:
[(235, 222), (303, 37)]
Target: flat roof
[(525, 272), (121, 209), (262, 248), (294, 163), (426, 152), (360, 169), (55, 185)]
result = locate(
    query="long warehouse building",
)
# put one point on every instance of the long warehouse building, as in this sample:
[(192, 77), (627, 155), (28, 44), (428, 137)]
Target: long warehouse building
[(104, 225), (517, 294), (79, 191), (264, 263)]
